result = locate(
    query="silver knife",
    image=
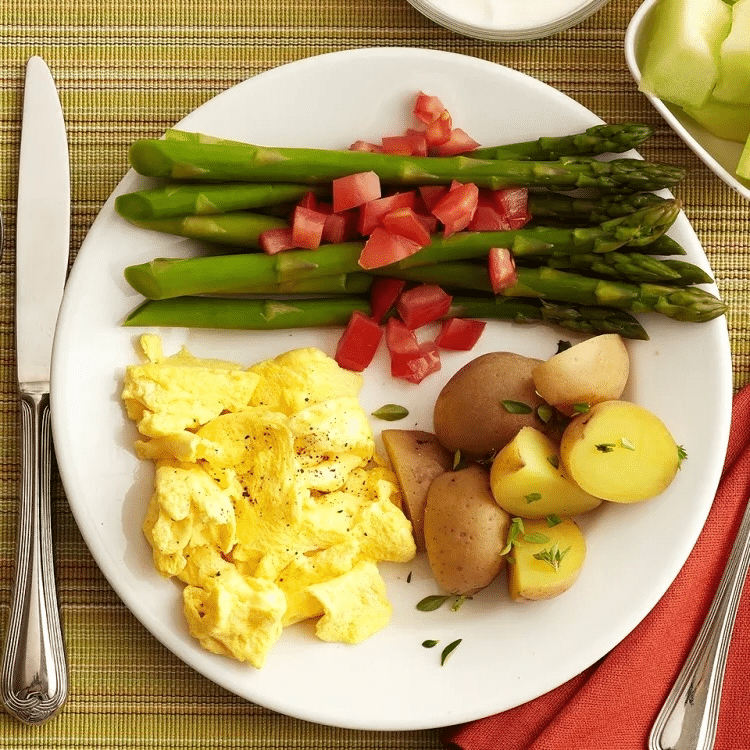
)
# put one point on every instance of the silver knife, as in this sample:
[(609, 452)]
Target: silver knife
[(33, 676)]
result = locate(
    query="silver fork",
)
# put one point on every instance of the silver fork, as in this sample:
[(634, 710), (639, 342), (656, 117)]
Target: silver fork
[(689, 716)]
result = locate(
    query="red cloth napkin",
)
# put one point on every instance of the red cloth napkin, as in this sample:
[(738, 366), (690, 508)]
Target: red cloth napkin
[(613, 704)]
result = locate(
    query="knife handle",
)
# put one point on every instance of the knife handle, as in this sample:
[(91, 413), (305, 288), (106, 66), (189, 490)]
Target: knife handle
[(33, 677)]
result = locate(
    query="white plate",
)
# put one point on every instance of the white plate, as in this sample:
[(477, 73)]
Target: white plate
[(507, 20), (510, 652), (718, 154)]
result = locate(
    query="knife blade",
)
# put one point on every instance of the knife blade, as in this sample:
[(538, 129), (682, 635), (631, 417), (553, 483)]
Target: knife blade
[(33, 674)]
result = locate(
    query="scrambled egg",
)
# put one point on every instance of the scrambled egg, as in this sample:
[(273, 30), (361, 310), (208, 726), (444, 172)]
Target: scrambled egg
[(269, 502)]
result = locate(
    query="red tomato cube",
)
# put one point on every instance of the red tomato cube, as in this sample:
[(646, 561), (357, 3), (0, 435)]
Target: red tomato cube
[(456, 208), (423, 304), (274, 241), (307, 227), (405, 145), (438, 132), (487, 219), (460, 334), (457, 142), (358, 343), (372, 212), (427, 362), (513, 203), (341, 227), (405, 222), (427, 108), (431, 194), (354, 190), (502, 269), (383, 248), (384, 292), (370, 148)]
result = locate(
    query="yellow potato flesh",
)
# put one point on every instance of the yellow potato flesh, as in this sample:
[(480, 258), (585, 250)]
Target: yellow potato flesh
[(562, 556), (594, 370), (528, 479), (620, 451)]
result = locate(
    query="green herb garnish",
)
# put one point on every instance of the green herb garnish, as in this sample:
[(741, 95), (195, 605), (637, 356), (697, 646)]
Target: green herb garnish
[(515, 530), (554, 460), (627, 444), (459, 601), (391, 412), (605, 447), (516, 407), (581, 408), (553, 556), (562, 345), (681, 456), (430, 644), (553, 519), (535, 538), (448, 650), (431, 603), (532, 497), (545, 412)]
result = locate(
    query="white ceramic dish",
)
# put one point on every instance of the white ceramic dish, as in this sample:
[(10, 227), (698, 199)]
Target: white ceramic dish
[(507, 20), (510, 653), (719, 155)]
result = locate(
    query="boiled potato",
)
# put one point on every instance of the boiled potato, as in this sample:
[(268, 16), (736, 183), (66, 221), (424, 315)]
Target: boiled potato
[(527, 479), (469, 413), (465, 530), (544, 561), (417, 458), (619, 451), (594, 370)]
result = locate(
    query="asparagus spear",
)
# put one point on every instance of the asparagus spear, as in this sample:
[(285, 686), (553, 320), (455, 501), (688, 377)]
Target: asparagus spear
[(164, 278), (246, 314), (259, 314), (680, 303), (238, 229), (600, 139), (200, 199), (568, 208), (217, 162)]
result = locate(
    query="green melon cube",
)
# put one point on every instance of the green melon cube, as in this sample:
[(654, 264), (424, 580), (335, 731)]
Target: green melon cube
[(729, 121), (733, 85), (681, 60)]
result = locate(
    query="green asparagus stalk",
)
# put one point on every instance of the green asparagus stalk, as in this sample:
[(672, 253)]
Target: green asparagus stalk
[(238, 229), (686, 304), (260, 314), (246, 314), (600, 139), (544, 206), (202, 199), (219, 162), (226, 274)]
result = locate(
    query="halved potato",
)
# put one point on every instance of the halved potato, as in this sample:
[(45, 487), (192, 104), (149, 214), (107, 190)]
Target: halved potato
[(528, 479), (594, 370), (417, 458), (620, 451), (544, 560)]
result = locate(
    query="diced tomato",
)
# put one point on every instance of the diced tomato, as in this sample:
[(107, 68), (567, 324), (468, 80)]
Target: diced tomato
[(423, 304), (405, 222), (487, 219), (513, 203), (384, 292), (359, 342), (370, 148), (274, 241), (383, 248), (341, 227), (355, 190), (456, 208), (457, 142), (405, 145), (372, 212), (307, 227), (427, 362), (427, 108), (438, 132), (431, 194), (310, 200), (460, 334), (429, 222), (502, 269)]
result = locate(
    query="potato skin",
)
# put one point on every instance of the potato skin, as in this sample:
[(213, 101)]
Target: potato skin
[(469, 414), (465, 530), (417, 458), (595, 370)]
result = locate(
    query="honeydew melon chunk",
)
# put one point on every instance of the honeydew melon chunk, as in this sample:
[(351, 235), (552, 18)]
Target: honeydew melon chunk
[(729, 121), (681, 63), (743, 168), (733, 84)]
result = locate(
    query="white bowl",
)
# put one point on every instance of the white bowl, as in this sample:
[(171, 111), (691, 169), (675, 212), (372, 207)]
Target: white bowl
[(719, 155), (507, 20)]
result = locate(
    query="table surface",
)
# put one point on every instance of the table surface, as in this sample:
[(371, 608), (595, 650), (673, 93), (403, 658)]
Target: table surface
[(131, 68)]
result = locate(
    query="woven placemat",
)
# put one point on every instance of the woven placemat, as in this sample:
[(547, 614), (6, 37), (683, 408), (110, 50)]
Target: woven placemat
[(130, 68)]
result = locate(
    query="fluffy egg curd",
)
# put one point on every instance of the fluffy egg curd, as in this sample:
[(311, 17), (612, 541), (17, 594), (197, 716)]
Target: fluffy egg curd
[(269, 501)]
